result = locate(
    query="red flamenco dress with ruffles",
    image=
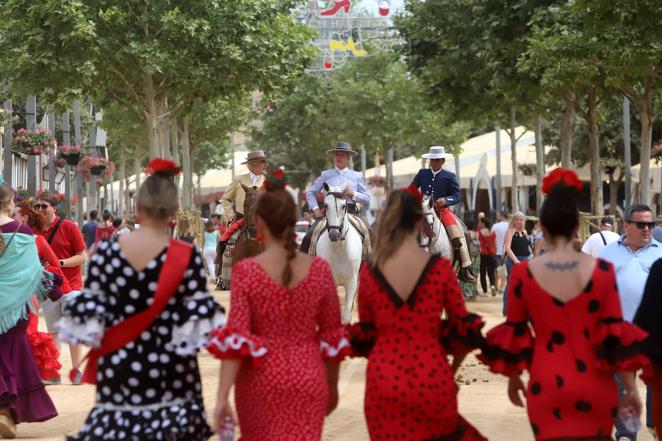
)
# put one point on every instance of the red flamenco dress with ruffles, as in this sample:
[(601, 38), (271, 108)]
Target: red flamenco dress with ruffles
[(410, 392), (283, 336), (43, 345), (577, 347)]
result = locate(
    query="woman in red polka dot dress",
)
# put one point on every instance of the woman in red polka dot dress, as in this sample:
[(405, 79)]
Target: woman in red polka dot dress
[(571, 301), (410, 392), (284, 337)]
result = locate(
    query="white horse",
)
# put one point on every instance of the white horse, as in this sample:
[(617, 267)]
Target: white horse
[(341, 245), (440, 243)]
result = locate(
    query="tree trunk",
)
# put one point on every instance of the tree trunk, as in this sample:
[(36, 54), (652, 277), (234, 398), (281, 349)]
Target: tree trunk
[(514, 196), (614, 185), (151, 116), (567, 128), (540, 163), (597, 206), (174, 141), (199, 182), (123, 190), (644, 171), (187, 190), (137, 170)]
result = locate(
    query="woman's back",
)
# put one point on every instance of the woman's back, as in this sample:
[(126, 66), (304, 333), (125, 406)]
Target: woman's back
[(563, 276), (276, 311)]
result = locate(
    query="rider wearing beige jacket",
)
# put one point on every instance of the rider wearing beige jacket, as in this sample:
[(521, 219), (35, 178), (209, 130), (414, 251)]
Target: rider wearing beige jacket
[(233, 199)]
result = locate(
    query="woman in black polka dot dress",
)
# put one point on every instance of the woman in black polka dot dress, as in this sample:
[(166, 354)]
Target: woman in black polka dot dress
[(571, 301), (149, 389), (410, 391)]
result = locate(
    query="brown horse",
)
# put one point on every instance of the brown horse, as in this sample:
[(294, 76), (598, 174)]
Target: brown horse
[(247, 244)]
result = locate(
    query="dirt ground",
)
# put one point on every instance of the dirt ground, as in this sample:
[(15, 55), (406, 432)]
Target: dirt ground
[(483, 401)]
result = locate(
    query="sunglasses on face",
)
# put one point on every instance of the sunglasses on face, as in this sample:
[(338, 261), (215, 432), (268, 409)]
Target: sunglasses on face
[(642, 225), (41, 206)]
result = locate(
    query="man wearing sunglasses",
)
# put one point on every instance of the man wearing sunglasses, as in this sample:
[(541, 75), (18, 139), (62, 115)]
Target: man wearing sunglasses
[(68, 245), (632, 255)]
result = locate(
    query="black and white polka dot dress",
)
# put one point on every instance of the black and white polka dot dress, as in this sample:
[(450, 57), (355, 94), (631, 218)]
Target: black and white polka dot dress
[(150, 389)]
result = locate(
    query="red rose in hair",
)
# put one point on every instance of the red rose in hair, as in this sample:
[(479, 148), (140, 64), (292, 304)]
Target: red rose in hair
[(564, 177), (275, 180), (414, 191), (160, 166)]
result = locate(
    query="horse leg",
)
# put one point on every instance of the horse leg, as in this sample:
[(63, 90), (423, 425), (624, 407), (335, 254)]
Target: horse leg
[(351, 288)]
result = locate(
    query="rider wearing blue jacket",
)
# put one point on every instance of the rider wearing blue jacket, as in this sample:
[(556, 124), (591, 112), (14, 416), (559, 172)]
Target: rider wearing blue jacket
[(442, 185)]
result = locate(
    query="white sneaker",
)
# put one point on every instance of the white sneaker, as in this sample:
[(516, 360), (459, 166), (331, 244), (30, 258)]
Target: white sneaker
[(624, 438)]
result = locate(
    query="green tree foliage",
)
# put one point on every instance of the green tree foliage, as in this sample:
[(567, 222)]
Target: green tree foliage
[(373, 102), (155, 57), (466, 56)]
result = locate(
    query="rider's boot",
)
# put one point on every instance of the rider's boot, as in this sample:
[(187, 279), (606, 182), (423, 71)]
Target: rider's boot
[(305, 243), (460, 246)]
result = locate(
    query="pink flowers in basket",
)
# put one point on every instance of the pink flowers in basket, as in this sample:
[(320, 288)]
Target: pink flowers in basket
[(33, 143)]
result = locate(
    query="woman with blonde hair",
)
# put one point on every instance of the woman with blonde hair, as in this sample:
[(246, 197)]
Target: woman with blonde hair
[(146, 311), (517, 248), (410, 390)]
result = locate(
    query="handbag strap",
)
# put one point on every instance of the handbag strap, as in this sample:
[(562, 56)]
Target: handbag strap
[(10, 240), (123, 333), (604, 241), (54, 231)]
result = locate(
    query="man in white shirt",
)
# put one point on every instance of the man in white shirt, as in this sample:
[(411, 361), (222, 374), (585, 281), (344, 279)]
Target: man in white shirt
[(500, 228), (597, 241)]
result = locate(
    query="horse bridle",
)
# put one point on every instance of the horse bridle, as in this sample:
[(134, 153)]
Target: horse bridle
[(340, 227), (247, 226)]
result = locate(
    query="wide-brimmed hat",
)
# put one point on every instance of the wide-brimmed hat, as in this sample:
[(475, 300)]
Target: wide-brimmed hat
[(343, 147), (436, 152), (252, 156)]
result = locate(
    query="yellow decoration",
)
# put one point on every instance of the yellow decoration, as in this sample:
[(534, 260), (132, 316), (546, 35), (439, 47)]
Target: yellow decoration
[(336, 45)]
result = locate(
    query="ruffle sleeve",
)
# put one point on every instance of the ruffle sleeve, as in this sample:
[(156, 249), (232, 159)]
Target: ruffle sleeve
[(362, 338), (334, 344), (460, 335), (620, 346), (233, 343), (193, 329), (508, 348), (83, 319)]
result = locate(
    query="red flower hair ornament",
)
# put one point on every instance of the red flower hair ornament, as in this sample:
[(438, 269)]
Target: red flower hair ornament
[(162, 167), (276, 180), (414, 191), (561, 177)]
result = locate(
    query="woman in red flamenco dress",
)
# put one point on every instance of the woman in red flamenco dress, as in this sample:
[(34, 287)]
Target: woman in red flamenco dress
[(570, 300), (43, 345), (283, 342), (410, 391)]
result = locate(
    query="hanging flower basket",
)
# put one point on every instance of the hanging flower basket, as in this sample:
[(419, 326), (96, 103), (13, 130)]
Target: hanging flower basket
[(33, 143), (69, 153), (527, 169), (90, 165)]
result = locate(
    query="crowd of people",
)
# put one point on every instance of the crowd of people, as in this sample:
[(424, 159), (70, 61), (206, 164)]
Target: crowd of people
[(582, 324)]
